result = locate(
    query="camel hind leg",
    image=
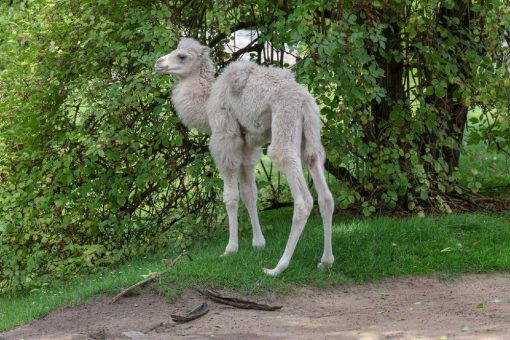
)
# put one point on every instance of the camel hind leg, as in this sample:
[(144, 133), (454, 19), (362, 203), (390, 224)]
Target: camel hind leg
[(313, 155), (326, 205), (303, 203), (285, 153)]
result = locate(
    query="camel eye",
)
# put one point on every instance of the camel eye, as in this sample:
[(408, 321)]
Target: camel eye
[(181, 56)]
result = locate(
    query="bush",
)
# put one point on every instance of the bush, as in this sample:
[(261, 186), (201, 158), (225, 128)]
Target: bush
[(94, 164)]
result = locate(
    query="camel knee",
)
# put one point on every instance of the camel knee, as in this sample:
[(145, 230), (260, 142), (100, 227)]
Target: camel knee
[(231, 203), (248, 193), (283, 158), (327, 204), (248, 187), (231, 200), (309, 201), (302, 209)]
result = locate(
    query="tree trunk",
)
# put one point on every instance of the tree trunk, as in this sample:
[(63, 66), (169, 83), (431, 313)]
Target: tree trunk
[(392, 81), (454, 109)]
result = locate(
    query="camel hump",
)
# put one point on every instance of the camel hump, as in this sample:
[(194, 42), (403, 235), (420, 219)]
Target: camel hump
[(281, 73), (237, 74)]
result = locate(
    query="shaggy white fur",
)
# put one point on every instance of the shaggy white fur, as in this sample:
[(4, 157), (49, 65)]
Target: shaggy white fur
[(244, 108)]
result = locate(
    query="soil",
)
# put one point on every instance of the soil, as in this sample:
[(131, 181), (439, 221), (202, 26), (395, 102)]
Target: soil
[(474, 306)]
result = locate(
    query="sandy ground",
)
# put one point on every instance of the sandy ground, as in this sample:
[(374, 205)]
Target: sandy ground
[(470, 307)]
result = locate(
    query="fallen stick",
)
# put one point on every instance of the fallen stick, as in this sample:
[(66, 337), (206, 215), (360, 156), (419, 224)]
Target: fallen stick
[(199, 311), (234, 302), (151, 277)]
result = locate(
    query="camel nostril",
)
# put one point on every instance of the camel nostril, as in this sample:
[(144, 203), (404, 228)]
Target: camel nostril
[(158, 66)]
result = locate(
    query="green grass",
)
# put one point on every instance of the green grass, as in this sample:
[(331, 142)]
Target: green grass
[(365, 250)]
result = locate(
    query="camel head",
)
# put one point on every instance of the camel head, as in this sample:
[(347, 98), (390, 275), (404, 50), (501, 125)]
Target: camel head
[(184, 60)]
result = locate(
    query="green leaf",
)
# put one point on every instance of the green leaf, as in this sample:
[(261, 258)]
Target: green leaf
[(439, 91)]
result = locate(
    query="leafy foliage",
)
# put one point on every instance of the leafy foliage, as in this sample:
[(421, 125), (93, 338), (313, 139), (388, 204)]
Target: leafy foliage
[(94, 164), (396, 81)]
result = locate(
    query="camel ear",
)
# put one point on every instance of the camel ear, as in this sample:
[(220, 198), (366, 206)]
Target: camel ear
[(205, 50)]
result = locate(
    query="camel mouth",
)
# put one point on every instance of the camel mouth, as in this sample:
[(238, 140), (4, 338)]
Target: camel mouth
[(160, 69), (165, 69)]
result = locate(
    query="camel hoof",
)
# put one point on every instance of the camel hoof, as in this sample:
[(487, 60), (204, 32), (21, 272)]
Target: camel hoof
[(271, 272), (229, 251), (324, 265), (257, 246)]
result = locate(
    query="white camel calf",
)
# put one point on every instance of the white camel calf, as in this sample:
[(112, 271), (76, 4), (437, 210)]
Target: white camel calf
[(244, 108)]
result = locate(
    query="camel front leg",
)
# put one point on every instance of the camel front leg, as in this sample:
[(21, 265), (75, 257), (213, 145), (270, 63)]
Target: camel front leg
[(231, 199), (249, 196), (226, 150)]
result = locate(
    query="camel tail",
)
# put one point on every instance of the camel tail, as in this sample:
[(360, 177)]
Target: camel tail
[(312, 149)]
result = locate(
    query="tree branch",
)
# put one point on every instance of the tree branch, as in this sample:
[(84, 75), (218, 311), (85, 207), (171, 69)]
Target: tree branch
[(138, 200), (251, 47), (239, 26), (345, 175)]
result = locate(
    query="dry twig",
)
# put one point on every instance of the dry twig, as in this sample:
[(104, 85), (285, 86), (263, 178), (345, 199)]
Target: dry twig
[(244, 304), (151, 277), (199, 311)]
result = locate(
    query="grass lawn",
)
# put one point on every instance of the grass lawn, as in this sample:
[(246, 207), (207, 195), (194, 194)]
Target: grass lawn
[(365, 249)]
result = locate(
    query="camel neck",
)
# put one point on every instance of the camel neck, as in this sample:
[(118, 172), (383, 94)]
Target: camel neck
[(191, 95)]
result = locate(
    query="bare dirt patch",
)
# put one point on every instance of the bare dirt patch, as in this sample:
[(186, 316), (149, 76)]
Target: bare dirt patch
[(471, 307)]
